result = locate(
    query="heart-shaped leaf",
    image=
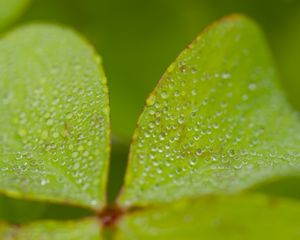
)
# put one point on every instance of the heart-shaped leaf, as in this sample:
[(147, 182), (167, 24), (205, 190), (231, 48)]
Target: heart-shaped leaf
[(54, 120), (85, 229), (217, 121), (226, 218), (10, 10)]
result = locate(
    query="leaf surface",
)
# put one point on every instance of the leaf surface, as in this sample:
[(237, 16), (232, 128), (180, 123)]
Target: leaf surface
[(235, 217), (20, 211), (10, 10), (54, 119), (85, 229), (217, 122)]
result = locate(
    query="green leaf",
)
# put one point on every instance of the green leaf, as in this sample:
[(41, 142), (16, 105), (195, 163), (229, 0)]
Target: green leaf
[(54, 120), (20, 211), (235, 217), (287, 187), (217, 122), (10, 10), (85, 229)]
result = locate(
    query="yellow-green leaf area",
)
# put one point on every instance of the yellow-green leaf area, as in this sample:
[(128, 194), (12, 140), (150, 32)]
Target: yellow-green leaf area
[(214, 218), (50, 230), (54, 117), (11, 10), (217, 122)]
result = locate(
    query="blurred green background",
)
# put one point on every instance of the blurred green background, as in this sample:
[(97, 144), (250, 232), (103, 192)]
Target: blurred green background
[(138, 39)]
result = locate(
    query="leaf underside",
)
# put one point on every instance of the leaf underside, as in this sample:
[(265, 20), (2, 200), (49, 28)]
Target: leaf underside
[(217, 122), (85, 229), (20, 211), (10, 10), (54, 120)]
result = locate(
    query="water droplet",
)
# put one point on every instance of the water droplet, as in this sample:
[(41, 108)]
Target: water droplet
[(44, 134), (69, 115), (226, 75), (75, 154), (252, 86), (151, 100), (164, 94), (22, 132), (56, 135), (49, 122), (182, 67), (44, 182), (193, 161), (199, 152), (94, 202)]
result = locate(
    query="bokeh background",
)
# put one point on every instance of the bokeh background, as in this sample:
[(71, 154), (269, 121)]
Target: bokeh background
[(138, 39)]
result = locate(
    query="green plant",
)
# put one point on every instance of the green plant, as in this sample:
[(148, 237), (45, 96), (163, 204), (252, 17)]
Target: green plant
[(11, 9), (213, 154)]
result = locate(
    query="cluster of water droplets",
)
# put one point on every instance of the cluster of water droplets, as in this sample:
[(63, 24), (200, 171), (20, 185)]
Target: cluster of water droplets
[(211, 128), (55, 141)]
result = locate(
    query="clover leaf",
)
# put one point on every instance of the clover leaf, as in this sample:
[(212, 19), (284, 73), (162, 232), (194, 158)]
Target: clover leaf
[(85, 229), (10, 10), (217, 122), (54, 121), (215, 138), (238, 217)]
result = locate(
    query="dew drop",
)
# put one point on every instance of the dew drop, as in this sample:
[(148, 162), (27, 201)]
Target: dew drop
[(182, 68), (49, 122), (164, 94), (199, 152), (56, 135), (252, 86), (226, 75), (151, 100), (22, 132), (75, 154), (193, 161), (44, 182), (44, 134)]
